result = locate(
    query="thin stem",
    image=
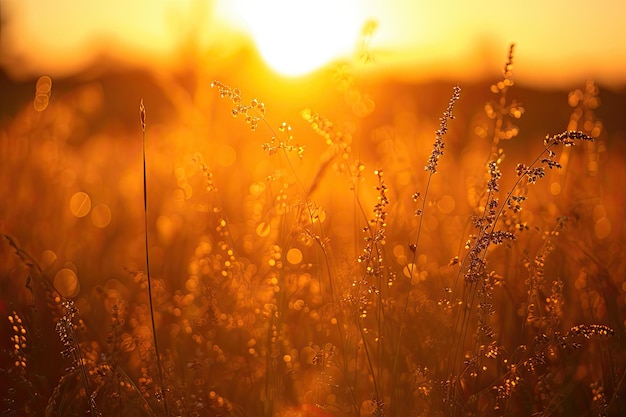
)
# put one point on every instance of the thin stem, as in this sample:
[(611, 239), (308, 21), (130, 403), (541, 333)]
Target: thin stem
[(405, 311), (142, 113)]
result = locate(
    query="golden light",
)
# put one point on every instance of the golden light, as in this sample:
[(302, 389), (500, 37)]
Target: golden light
[(414, 40), (295, 37)]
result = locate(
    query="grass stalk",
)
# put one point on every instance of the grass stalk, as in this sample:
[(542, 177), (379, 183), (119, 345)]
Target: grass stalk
[(160, 391)]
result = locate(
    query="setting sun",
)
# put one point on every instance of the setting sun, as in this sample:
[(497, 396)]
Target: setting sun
[(297, 37)]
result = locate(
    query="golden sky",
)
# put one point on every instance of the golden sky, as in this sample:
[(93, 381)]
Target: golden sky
[(558, 41)]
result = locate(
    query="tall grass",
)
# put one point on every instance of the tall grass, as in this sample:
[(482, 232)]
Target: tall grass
[(358, 272), (160, 394)]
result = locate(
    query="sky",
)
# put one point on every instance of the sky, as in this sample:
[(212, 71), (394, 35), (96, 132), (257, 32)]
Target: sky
[(557, 41)]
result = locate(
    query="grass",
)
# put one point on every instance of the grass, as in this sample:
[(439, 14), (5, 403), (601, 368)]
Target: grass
[(340, 269)]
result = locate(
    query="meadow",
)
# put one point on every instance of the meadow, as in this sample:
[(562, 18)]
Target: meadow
[(194, 250)]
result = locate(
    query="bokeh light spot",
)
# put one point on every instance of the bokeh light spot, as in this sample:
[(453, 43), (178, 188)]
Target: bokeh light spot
[(410, 270), (48, 259), (101, 216), (400, 254), (186, 187), (66, 283), (602, 228), (263, 229), (165, 228), (179, 199), (447, 204), (80, 204), (599, 212), (40, 103), (592, 166), (191, 284), (42, 93), (257, 188), (294, 256), (307, 354), (44, 84), (179, 173)]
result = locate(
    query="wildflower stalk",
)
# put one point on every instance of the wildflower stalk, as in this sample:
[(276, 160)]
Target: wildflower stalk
[(64, 327), (500, 130), (337, 313), (474, 263), (160, 394), (431, 167), (281, 140), (373, 262), (531, 173), (253, 113), (66, 331)]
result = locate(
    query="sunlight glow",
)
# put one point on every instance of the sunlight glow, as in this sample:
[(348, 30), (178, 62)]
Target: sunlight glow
[(295, 37)]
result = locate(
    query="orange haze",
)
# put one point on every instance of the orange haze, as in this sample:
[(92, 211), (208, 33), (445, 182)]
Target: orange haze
[(559, 42)]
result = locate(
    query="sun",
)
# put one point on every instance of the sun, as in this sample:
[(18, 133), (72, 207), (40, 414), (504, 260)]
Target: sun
[(295, 37)]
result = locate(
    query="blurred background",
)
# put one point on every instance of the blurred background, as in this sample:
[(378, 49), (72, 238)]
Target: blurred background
[(560, 42), (73, 74)]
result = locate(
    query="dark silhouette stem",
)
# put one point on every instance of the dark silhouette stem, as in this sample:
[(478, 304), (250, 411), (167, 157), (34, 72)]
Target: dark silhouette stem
[(160, 393)]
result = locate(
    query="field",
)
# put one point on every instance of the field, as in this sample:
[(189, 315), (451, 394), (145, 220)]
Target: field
[(205, 244)]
